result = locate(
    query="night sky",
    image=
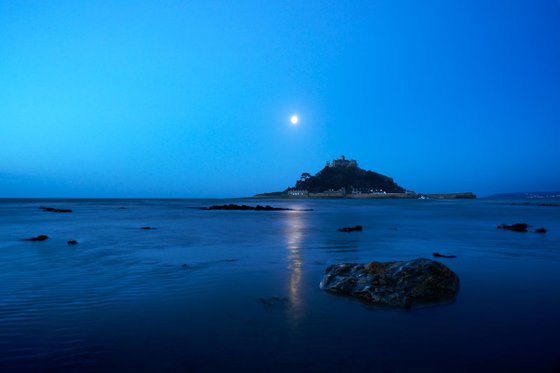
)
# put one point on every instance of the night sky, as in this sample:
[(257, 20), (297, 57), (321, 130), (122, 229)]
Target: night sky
[(194, 98)]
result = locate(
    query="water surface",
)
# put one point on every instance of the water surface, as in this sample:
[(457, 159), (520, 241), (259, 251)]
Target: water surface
[(238, 290)]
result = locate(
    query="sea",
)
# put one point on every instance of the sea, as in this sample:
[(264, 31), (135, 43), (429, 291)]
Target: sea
[(224, 291)]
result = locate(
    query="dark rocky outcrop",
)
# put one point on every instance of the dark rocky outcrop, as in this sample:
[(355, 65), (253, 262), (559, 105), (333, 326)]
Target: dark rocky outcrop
[(72, 242), (41, 237), (245, 208), (52, 209), (438, 255), (517, 227), (540, 230), (394, 284), (462, 195), (357, 228)]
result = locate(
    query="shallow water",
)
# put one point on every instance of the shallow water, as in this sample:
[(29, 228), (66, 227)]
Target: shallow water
[(248, 298)]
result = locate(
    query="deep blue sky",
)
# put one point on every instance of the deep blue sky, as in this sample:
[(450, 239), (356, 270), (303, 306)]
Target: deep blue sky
[(193, 98)]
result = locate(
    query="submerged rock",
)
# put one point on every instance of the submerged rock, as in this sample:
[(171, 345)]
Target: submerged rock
[(357, 228), (438, 255), (245, 208), (540, 230), (394, 284), (274, 302), (72, 242), (517, 227), (148, 228), (52, 209), (41, 237)]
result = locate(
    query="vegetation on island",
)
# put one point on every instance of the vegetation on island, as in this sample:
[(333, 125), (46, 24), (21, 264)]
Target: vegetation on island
[(348, 178)]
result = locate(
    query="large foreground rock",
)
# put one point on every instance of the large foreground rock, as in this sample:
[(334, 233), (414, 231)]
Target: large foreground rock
[(394, 284)]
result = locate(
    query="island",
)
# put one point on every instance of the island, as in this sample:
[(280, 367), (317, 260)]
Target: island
[(343, 178)]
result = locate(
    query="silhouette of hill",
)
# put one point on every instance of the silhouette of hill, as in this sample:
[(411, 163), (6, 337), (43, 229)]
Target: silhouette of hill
[(349, 178)]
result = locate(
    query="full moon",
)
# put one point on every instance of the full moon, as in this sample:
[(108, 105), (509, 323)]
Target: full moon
[(294, 119)]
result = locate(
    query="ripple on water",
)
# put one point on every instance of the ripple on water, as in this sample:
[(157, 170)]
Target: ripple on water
[(121, 297)]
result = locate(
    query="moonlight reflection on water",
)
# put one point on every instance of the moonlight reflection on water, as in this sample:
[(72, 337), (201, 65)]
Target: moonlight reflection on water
[(294, 236)]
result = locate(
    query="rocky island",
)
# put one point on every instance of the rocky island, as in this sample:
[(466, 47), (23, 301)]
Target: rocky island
[(342, 178)]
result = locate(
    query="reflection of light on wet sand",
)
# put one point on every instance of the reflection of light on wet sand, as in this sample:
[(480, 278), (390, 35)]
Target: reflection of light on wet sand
[(294, 237)]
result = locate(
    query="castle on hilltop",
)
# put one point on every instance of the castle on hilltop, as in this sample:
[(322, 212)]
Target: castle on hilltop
[(343, 162), (342, 178)]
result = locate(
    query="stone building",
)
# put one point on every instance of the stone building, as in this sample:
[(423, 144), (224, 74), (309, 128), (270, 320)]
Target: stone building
[(343, 162)]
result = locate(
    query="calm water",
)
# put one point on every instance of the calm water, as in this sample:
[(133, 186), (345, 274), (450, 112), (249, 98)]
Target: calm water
[(248, 299)]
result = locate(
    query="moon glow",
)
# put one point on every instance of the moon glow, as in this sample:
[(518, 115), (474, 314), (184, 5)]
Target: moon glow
[(294, 119)]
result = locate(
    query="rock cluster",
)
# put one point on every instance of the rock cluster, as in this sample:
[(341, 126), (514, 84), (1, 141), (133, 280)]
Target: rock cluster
[(517, 227), (394, 284), (245, 208), (438, 255), (357, 228), (52, 209), (41, 237)]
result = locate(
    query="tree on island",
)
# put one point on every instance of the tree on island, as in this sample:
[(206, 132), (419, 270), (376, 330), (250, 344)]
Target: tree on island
[(304, 176)]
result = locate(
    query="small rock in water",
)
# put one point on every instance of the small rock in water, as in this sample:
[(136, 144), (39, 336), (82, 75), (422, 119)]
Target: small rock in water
[(184, 265), (517, 227), (394, 284), (357, 228), (438, 255), (274, 302), (52, 209), (72, 242), (41, 237), (540, 230), (245, 208), (148, 228)]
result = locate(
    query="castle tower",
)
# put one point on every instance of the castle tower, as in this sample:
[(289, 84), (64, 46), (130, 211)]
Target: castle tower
[(343, 162)]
